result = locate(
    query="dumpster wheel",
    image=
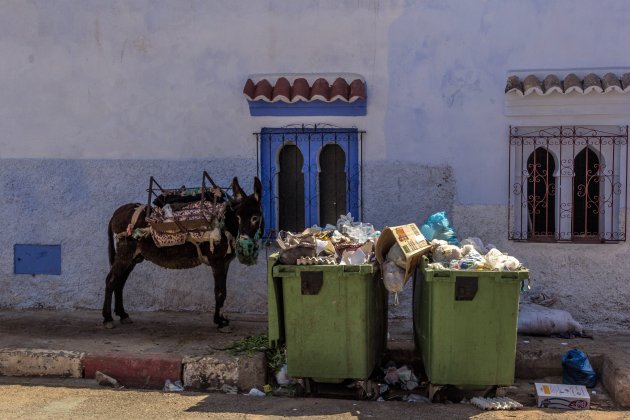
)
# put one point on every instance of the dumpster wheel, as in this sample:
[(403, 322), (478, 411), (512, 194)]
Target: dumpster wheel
[(453, 393), (310, 387), (362, 389), (435, 389), (367, 389)]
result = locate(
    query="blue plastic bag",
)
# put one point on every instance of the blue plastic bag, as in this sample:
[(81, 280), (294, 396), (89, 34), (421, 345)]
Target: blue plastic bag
[(577, 369), (437, 227)]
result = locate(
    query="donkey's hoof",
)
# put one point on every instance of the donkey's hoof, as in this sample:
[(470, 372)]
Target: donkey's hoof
[(225, 329), (221, 321), (108, 325), (126, 320)]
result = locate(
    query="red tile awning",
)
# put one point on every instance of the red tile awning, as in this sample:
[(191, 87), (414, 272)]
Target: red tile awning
[(566, 84), (305, 88)]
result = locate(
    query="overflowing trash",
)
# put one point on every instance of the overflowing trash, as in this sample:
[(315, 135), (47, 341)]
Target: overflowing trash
[(562, 396), (282, 377), (540, 298), (417, 398), (448, 253), (398, 250), (402, 376), (438, 227), (399, 383), (577, 369), (472, 255), (348, 243), (255, 392), (176, 386), (498, 403), (316, 261), (393, 277), (229, 389), (106, 380)]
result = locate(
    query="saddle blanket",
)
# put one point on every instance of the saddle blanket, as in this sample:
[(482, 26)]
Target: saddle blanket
[(201, 221)]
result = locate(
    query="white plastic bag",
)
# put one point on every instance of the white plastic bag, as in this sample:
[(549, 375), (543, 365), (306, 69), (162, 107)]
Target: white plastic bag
[(396, 255), (255, 392), (393, 278), (282, 377), (500, 262), (173, 386)]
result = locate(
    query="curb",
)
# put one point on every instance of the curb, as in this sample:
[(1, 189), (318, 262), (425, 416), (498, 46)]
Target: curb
[(144, 371), (149, 371), (616, 379), (41, 362), (614, 374), (214, 373)]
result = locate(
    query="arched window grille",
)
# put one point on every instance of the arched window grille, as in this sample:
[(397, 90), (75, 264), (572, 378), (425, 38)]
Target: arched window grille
[(586, 197), (541, 195), (568, 183)]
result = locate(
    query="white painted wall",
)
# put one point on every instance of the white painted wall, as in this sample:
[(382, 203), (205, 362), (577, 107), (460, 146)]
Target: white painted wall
[(147, 84), (164, 80)]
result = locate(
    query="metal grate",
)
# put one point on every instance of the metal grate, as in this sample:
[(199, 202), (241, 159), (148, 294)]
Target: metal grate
[(568, 183)]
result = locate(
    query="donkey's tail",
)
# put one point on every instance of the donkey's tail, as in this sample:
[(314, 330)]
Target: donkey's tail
[(111, 248)]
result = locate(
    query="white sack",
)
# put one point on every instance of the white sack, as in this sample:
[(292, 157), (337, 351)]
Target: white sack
[(539, 320)]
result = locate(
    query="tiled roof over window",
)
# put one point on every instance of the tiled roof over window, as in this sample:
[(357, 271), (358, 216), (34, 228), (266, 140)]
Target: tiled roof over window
[(570, 83), (342, 94), (305, 88)]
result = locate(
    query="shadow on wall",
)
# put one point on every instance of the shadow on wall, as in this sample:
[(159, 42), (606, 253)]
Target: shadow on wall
[(396, 193)]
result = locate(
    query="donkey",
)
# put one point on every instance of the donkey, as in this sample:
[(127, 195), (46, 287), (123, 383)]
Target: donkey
[(243, 226)]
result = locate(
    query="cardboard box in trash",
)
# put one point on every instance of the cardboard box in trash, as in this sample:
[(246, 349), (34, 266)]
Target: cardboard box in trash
[(567, 397), (411, 241)]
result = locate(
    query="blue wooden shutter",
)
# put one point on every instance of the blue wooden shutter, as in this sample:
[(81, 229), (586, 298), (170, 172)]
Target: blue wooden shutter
[(310, 141)]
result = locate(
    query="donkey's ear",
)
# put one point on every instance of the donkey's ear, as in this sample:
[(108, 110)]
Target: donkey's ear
[(257, 189), (239, 194)]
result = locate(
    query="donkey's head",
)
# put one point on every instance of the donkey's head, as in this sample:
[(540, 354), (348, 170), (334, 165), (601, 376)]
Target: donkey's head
[(249, 215)]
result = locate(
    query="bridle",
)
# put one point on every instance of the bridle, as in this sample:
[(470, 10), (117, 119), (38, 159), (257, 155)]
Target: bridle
[(247, 248)]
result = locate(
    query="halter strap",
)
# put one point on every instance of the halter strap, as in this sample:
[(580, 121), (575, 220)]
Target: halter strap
[(134, 218)]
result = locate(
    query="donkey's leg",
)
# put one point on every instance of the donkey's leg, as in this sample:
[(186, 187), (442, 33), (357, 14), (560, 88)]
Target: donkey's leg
[(220, 271), (108, 321), (112, 283), (119, 308)]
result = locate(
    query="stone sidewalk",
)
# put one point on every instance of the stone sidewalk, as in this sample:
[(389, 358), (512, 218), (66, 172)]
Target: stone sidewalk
[(157, 346), (187, 346)]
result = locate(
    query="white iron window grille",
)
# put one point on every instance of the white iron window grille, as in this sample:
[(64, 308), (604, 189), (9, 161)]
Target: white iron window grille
[(568, 184)]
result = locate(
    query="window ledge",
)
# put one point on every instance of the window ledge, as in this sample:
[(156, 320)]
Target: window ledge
[(594, 103)]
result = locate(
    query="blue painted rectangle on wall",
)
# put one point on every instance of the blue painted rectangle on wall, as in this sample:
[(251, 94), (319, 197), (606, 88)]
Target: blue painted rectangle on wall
[(317, 108), (37, 259)]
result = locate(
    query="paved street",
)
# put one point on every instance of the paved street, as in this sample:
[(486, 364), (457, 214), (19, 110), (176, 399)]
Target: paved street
[(48, 398)]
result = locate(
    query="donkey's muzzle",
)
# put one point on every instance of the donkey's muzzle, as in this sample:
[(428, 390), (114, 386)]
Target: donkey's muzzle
[(246, 250)]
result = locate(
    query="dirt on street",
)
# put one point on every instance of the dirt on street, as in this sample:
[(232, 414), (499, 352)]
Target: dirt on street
[(48, 398)]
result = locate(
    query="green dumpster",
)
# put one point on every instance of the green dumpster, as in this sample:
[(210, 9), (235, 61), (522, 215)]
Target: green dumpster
[(332, 319), (465, 325)]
